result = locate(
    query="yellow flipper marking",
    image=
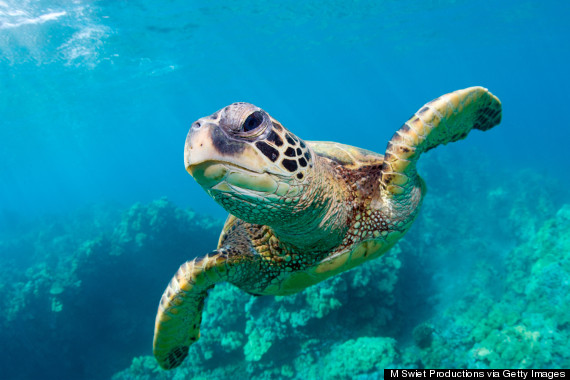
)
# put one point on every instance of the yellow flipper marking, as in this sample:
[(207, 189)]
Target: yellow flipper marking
[(446, 119), (177, 324)]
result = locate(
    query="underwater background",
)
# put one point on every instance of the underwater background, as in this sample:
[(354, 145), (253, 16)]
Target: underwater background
[(97, 211)]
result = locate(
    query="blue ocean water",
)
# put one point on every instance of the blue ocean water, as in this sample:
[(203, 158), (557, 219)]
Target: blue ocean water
[(97, 98)]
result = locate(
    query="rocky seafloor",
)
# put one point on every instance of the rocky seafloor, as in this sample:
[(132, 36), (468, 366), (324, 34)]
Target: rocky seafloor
[(482, 280)]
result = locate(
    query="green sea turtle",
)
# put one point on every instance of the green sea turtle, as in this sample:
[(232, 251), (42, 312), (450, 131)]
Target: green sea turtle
[(301, 211)]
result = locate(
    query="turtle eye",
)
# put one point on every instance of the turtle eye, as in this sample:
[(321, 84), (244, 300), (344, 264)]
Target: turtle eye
[(252, 122)]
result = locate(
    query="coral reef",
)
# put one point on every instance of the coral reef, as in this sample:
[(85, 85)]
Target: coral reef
[(525, 324), (94, 277)]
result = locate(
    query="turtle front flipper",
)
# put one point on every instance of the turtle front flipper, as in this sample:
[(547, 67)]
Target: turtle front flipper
[(446, 119), (179, 314)]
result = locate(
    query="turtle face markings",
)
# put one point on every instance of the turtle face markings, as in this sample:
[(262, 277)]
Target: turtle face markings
[(247, 161), (274, 138), (286, 150), (296, 157), (267, 150)]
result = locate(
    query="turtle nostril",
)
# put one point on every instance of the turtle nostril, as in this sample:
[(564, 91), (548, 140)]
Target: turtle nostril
[(196, 125)]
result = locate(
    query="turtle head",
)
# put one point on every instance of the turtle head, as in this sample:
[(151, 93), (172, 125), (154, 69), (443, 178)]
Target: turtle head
[(249, 163)]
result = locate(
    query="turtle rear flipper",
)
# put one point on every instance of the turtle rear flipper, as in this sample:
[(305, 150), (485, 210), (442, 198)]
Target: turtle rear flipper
[(179, 315), (446, 119)]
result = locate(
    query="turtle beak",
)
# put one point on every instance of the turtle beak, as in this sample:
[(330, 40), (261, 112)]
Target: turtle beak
[(207, 142), (210, 167), (198, 158), (194, 149), (208, 174)]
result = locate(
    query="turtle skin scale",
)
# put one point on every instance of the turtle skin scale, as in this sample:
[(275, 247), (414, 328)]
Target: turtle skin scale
[(301, 211)]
